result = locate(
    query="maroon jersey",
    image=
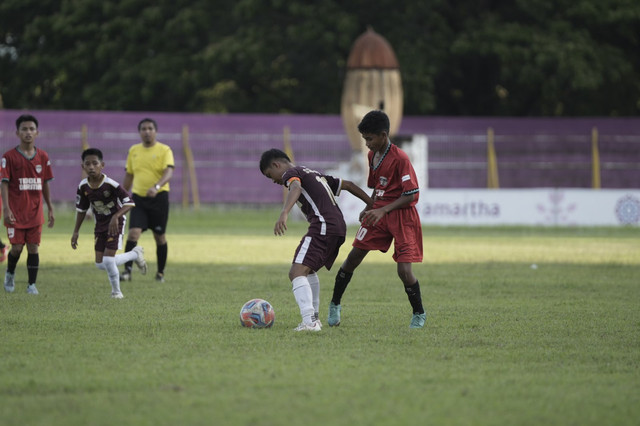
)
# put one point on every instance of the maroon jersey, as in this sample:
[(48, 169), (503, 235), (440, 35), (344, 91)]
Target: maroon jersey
[(105, 200), (317, 200), (392, 177), (26, 177)]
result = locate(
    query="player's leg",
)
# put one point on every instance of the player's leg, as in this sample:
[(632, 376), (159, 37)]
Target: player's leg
[(367, 239), (158, 220), (313, 252), (343, 277), (109, 262), (408, 249), (162, 251), (106, 249), (138, 223), (17, 240), (304, 296), (325, 249), (412, 289), (33, 237), (33, 266), (314, 283)]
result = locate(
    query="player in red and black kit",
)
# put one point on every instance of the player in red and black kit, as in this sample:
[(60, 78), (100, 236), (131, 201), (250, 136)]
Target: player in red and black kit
[(110, 203), (393, 217), (315, 194), (3, 246), (26, 172)]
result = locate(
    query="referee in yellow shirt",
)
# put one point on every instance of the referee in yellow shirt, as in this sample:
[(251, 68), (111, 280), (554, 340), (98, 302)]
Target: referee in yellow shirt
[(149, 168)]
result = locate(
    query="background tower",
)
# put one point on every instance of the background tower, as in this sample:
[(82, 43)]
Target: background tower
[(372, 82)]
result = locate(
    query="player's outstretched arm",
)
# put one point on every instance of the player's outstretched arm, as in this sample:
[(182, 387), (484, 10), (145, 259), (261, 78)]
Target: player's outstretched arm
[(354, 189)]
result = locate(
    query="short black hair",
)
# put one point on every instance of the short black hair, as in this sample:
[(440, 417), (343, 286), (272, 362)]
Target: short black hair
[(25, 117), (148, 120), (269, 156), (374, 122), (92, 151)]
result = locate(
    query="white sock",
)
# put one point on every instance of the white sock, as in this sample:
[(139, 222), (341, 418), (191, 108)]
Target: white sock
[(101, 265), (123, 258), (304, 297), (314, 282), (112, 271)]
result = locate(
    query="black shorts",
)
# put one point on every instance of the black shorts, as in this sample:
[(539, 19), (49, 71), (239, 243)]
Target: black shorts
[(150, 213)]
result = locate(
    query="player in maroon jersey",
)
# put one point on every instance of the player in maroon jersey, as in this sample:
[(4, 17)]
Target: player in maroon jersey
[(393, 217), (110, 203), (26, 172), (315, 194)]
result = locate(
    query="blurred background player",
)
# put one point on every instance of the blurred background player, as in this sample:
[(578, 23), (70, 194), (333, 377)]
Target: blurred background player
[(392, 217), (149, 168), (26, 172), (3, 246), (315, 193), (110, 203)]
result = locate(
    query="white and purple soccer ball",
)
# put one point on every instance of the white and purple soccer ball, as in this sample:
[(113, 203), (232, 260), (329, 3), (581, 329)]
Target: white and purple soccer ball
[(257, 313)]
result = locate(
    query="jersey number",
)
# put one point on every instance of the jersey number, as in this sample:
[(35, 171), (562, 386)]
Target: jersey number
[(361, 233), (324, 183)]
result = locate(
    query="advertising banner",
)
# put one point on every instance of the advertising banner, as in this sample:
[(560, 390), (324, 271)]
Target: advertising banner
[(540, 207)]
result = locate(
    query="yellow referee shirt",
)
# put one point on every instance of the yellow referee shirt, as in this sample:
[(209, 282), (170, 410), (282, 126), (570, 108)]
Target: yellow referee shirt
[(147, 164)]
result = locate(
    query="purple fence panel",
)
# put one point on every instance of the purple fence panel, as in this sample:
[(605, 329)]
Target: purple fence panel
[(531, 152)]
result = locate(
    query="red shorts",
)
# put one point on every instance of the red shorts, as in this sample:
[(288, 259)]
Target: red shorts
[(25, 235), (403, 227)]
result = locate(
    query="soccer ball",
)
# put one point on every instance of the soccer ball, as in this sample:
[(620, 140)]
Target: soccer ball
[(257, 313)]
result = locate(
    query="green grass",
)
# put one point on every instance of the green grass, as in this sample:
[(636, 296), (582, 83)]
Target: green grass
[(505, 344)]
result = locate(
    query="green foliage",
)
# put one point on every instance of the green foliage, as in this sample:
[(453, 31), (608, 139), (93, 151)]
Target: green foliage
[(504, 343), (524, 58)]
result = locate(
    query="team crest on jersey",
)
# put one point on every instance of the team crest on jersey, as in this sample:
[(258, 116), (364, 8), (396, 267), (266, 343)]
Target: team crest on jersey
[(39, 168), (383, 181), (106, 194)]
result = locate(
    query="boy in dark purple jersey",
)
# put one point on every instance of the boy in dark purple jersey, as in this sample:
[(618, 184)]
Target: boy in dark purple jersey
[(109, 202), (315, 194)]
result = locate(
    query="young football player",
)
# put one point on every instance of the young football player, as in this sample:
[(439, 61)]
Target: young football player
[(109, 202), (26, 172), (315, 193), (393, 217)]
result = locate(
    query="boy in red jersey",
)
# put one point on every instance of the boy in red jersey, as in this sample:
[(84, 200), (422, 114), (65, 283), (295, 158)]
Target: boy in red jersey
[(392, 217), (3, 246), (315, 193), (26, 172), (110, 203)]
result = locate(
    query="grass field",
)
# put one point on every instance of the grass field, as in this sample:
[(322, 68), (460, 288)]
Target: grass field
[(506, 342)]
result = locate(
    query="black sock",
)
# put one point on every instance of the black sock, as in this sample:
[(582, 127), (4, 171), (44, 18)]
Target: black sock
[(128, 266), (161, 255), (342, 280), (33, 263), (12, 261), (413, 293)]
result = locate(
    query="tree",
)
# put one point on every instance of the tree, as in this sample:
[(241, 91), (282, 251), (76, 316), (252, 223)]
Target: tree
[(474, 57)]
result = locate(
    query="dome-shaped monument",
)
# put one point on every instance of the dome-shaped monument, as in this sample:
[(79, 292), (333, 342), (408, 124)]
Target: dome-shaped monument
[(372, 82)]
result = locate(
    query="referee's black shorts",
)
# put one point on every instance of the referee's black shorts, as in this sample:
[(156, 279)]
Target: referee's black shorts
[(150, 213)]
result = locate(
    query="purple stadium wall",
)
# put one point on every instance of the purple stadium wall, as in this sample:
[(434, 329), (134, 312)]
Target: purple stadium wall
[(531, 152)]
